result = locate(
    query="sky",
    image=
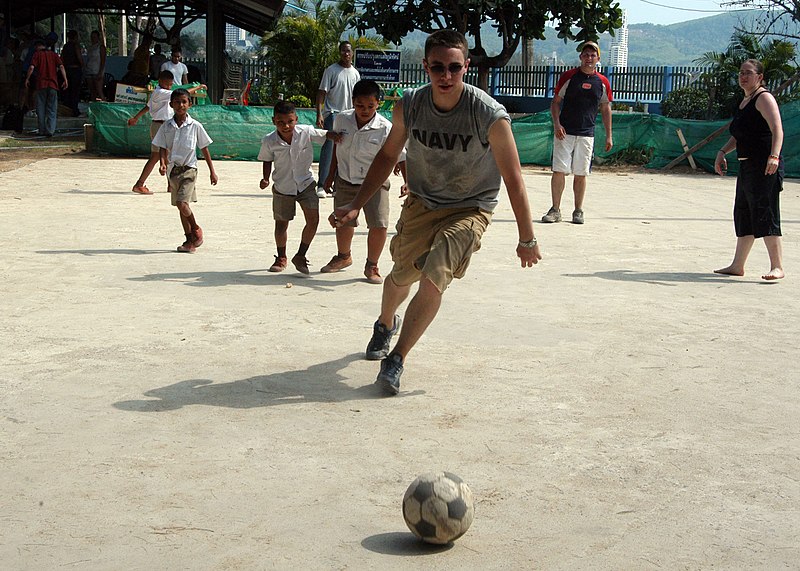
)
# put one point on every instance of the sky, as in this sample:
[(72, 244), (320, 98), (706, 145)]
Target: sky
[(669, 11)]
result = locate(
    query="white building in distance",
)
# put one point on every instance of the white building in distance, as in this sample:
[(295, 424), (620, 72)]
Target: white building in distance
[(618, 54), (233, 35)]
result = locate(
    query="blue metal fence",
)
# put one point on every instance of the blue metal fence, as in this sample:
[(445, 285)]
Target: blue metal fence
[(642, 84)]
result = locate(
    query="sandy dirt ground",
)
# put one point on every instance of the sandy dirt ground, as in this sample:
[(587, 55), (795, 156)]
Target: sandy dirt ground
[(617, 407)]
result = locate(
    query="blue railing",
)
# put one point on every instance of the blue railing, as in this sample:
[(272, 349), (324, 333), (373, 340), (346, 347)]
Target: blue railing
[(643, 84)]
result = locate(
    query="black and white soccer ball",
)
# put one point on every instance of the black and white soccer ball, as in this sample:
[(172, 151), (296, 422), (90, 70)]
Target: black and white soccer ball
[(438, 507)]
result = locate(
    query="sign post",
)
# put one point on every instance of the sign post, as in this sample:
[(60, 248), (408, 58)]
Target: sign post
[(378, 65)]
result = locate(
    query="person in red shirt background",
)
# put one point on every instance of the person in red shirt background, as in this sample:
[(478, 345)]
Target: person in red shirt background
[(579, 92), (47, 64)]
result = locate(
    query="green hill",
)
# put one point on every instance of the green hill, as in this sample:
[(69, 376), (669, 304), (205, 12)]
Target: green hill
[(648, 44)]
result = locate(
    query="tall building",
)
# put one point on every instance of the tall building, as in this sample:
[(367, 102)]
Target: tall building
[(618, 54), (233, 35)]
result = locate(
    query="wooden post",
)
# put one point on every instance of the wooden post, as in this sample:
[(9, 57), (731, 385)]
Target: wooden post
[(686, 148), (699, 145)]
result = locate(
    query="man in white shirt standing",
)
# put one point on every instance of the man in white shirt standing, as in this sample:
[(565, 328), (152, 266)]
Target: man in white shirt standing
[(334, 96), (179, 70)]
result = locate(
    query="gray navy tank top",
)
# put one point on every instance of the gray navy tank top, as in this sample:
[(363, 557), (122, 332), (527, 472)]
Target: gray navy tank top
[(450, 163)]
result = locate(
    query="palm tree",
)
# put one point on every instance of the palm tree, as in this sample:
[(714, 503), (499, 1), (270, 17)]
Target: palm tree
[(301, 47), (777, 56)]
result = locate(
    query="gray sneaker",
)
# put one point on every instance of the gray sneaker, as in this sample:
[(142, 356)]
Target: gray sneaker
[(378, 346), (389, 377), (577, 216), (553, 215)]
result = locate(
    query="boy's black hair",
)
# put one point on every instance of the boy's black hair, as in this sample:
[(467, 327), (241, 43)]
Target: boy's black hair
[(283, 107), (368, 88), (178, 93), (165, 74)]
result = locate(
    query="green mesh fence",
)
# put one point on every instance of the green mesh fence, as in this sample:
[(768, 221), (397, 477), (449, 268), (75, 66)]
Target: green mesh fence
[(237, 133)]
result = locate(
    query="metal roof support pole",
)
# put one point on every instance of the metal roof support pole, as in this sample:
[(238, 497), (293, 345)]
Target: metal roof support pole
[(215, 46)]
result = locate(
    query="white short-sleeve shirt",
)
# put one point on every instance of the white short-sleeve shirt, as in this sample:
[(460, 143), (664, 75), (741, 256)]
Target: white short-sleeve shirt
[(182, 141), (337, 83), (358, 148), (159, 105), (291, 164), (177, 69)]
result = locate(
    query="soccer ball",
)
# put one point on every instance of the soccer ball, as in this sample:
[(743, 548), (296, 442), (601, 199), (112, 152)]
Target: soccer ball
[(438, 507)]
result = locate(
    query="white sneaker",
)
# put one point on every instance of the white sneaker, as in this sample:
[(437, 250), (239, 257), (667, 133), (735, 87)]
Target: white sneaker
[(321, 192)]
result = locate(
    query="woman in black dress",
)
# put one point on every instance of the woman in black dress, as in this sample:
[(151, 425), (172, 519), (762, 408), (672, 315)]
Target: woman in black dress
[(757, 136)]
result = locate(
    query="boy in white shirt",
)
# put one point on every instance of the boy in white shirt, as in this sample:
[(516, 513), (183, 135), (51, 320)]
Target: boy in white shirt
[(289, 148), (364, 131), (179, 138), (160, 111)]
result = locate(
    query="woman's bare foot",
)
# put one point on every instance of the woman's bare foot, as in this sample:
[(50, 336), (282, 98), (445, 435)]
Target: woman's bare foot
[(731, 271), (774, 274)]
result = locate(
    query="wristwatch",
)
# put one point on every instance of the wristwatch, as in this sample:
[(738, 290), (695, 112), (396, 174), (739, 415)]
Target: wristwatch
[(529, 244)]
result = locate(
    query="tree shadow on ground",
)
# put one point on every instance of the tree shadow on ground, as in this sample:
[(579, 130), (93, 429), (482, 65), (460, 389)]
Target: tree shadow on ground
[(320, 383), (665, 278)]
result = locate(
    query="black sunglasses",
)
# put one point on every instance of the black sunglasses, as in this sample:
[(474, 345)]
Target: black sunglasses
[(439, 68)]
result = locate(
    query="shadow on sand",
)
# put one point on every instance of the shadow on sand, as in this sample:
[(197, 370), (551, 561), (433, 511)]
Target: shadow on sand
[(399, 543), (254, 277), (665, 278), (318, 383), (118, 251)]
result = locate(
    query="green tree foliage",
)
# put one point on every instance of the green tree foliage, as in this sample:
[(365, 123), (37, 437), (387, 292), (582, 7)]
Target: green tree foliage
[(777, 17), (514, 20), (721, 83), (687, 103), (302, 46)]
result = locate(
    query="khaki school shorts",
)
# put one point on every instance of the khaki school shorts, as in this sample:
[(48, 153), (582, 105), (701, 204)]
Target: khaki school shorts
[(437, 244), (376, 210), (154, 127), (283, 205), (181, 181), (573, 155)]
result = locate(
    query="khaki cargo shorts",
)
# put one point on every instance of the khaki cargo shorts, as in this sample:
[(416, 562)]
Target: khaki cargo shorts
[(283, 205), (376, 211), (181, 181), (435, 243)]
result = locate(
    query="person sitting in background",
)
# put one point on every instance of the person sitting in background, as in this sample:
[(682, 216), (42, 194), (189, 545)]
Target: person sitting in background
[(139, 68), (156, 61)]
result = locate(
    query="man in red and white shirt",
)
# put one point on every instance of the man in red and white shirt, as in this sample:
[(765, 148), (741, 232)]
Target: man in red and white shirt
[(579, 92)]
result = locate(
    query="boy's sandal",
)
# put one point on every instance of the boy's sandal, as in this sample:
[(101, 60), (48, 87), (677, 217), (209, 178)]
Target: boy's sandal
[(141, 189)]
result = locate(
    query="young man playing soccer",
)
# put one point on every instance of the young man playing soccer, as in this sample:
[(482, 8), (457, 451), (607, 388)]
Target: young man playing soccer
[(179, 138), (459, 145), (289, 148), (579, 92), (363, 132)]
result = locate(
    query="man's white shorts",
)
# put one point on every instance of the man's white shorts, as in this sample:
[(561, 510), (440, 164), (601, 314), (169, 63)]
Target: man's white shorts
[(573, 155)]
